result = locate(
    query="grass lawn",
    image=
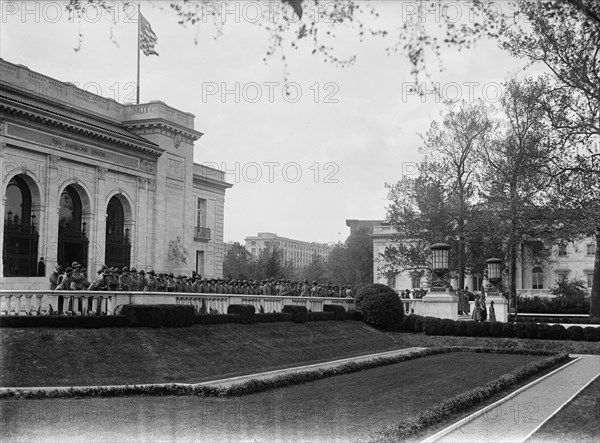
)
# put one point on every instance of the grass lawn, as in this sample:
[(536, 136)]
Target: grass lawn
[(579, 421), (341, 408), (71, 357)]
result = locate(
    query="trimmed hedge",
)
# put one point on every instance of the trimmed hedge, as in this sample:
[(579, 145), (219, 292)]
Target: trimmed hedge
[(320, 316), (216, 319), (339, 311), (155, 316), (299, 313), (246, 313), (272, 317), (564, 320), (64, 321), (438, 326)]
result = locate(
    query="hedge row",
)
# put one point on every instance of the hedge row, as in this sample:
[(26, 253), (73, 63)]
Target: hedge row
[(437, 326), (63, 321), (257, 385), (565, 320), (156, 315), (438, 413)]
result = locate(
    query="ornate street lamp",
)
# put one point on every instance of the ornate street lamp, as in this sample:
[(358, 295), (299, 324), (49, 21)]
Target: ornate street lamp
[(127, 233), (84, 224), (439, 262), (494, 267), (33, 217)]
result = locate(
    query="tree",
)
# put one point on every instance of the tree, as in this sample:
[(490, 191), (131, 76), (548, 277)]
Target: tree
[(515, 172), (238, 262), (451, 148), (352, 262), (315, 270)]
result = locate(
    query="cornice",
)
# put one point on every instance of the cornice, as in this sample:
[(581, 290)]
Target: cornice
[(160, 126), (29, 112)]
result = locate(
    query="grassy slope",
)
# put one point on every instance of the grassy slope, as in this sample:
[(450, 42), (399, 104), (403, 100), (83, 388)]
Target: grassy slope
[(59, 357)]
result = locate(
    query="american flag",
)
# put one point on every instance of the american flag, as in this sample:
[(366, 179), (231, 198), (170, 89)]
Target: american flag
[(147, 37)]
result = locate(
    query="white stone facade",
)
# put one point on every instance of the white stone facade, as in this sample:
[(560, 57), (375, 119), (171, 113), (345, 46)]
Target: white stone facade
[(57, 139), (570, 261)]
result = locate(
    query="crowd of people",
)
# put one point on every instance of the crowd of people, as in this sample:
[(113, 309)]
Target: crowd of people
[(75, 278)]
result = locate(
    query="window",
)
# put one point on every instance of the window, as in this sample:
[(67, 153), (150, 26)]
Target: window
[(415, 281), (201, 213), (589, 279), (562, 249), (200, 262), (391, 280), (537, 278), (591, 249), (477, 281)]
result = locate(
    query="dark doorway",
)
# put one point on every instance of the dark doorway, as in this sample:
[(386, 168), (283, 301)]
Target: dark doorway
[(118, 246), (72, 235), (20, 249)]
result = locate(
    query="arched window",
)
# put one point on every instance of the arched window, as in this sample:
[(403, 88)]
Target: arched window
[(20, 234), (69, 216), (118, 247), (72, 237)]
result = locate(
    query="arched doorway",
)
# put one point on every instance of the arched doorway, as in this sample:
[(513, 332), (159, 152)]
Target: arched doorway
[(21, 238), (72, 235), (118, 246)]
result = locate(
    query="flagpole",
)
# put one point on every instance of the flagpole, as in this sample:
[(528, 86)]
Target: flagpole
[(138, 56)]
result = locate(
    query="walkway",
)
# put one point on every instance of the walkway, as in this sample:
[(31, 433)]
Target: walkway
[(518, 416)]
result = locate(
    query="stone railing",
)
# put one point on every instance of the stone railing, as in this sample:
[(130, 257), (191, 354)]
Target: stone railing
[(15, 302), (413, 306)]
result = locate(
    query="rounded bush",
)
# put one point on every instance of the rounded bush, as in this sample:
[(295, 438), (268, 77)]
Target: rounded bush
[(531, 330), (507, 330), (299, 313), (496, 329), (590, 333), (461, 328), (448, 327), (419, 324), (473, 329), (557, 332), (575, 333), (432, 326), (408, 325), (484, 329), (543, 331), (381, 307)]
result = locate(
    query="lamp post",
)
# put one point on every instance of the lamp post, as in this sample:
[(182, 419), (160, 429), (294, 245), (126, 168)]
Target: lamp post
[(495, 297), (439, 262), (494, 267)]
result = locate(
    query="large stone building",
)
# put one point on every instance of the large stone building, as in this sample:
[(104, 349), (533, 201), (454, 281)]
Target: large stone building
[(567, 262), (299, 253), (87, 179)]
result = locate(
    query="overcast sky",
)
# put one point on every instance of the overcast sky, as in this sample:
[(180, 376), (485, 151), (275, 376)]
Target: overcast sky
[(300, 165)]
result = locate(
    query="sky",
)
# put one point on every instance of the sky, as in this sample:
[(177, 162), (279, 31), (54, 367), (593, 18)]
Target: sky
[(300, 164)]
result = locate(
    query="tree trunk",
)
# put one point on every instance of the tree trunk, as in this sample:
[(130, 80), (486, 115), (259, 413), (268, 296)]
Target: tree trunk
[(595, 299)]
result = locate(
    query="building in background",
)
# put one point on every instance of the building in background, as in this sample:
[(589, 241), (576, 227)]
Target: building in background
[(87, 179), (299, 253), (568, 261)]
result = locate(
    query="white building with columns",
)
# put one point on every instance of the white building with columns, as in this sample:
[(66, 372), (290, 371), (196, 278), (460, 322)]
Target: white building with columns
[(87, 179)]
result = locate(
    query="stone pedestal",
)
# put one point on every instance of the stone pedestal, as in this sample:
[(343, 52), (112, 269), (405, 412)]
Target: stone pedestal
[(441, 303), (500, 306)]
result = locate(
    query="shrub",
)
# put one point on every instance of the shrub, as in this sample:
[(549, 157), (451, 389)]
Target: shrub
[(473, 329), (461, 328), (177, 316), (543, 331), (557, 332), (484, 329), (575, 333), (381, 307), (520, 330), (590, 333), (246, 313), (419, 324), (272, 317), (299, 313), (495, 329), (408, 324), (216, 319), (508, 330), (339, 311), (320, 316), (354, 315), (432, 326), (144, 315), (448, 327)]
